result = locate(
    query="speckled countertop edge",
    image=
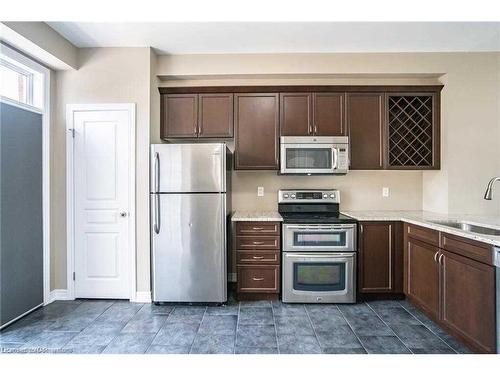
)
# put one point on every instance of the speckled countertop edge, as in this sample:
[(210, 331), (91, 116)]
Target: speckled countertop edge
[(256, 216), (423, 219)]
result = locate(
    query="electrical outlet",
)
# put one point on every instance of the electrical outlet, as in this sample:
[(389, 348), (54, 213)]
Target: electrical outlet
[(260, 191), (385, 192)]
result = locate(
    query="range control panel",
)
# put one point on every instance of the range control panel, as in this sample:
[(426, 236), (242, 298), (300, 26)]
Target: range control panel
[(309, 196)]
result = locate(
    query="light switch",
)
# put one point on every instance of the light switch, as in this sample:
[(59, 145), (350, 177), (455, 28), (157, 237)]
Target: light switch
[(260, 191), (385, 192)]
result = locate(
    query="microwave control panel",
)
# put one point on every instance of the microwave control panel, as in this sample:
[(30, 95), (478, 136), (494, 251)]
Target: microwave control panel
[(343, 157)]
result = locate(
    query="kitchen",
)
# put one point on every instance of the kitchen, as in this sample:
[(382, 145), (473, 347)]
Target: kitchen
[(349, 212)]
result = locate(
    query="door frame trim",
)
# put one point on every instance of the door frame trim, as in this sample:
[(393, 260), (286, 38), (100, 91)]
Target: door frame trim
[(70, 198)]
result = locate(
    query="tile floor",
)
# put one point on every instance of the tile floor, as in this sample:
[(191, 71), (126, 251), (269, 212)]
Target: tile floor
[(93, 326)]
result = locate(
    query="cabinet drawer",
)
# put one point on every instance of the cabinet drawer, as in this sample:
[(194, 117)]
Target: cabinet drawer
[(258, 257), (469, 248), (423, 234), (258, 279), (256, 228), (257, 242)]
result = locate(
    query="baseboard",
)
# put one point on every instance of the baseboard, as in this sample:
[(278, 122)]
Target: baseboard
[(59, 295), (142, 297), (231, 277)]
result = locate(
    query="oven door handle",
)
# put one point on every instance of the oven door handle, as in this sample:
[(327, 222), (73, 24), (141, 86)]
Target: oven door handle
[(336, 255), (319, 227)]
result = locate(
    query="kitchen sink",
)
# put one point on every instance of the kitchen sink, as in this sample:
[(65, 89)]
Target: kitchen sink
[(473, 228)]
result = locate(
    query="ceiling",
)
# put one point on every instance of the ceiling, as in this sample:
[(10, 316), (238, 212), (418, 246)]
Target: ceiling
[(287, 37)]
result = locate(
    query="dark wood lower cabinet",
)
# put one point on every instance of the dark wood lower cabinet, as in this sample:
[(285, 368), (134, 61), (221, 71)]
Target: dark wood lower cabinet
[(422, 276), (258, 259), (457, 291), (380, 259), (468, 300)]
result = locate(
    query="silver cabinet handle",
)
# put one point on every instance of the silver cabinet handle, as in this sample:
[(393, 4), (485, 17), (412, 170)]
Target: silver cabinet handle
[(258, 242), (257, 228), (315, 129), (440, 258), (435, 256), (255, 257), (257, 278)]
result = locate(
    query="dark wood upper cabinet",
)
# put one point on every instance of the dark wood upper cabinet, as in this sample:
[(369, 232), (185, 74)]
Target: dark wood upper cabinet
[(304, 114), (256, 117), (468, 300), (422, 276), (389, 127), (365, 122), (179, 116), (329, 114), (215, 117), (380, 257), (296, 114), (193, 115)]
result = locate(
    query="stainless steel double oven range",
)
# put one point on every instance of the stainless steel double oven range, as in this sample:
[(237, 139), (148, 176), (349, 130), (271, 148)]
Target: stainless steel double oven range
[(319, 248)]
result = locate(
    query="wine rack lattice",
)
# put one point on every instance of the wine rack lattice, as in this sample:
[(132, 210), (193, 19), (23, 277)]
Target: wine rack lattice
[(410, 131)]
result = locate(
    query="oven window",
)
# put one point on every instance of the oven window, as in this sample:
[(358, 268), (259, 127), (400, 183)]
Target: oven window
[(309, 158), (310, 276), (332, 239)]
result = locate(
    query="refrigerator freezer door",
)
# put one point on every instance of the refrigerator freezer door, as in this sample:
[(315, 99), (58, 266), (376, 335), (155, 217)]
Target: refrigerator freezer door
[(185, 168), (189, 250)]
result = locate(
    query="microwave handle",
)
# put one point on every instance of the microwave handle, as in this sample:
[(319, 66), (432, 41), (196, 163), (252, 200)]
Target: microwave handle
[(335, 157)]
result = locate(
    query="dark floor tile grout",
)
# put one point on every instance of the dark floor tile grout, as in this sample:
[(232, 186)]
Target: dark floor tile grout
[(237, 327), (314, 329), (434, 333), (275, 329), (157, 332), (388, 326), (198, 331), (352, 329)]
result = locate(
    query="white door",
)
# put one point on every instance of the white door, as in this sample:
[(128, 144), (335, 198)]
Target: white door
[(101, 170)]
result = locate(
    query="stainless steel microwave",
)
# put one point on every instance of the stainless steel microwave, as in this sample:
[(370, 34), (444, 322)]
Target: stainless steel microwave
[(314, 155)]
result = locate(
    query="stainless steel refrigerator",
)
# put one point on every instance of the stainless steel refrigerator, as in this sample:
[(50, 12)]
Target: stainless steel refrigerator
[(190, 204)]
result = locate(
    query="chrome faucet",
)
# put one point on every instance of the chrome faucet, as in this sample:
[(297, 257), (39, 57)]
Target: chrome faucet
[(487, 194)]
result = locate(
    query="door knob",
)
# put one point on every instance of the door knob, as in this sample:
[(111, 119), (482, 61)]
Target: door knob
[(123, 214)]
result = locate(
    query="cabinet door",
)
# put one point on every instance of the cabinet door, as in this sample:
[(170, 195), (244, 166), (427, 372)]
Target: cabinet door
[(365, 119), (215, 116), (468, 300), (329, 114), (296, 114), (256, 119), (422, 274), (376, 257), (179, 116)]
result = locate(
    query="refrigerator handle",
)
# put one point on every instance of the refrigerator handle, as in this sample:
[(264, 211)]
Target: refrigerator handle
[(157, 172), (157, 217)]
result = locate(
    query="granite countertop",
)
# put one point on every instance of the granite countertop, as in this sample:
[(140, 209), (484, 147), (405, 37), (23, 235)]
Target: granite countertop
[(256, 216), (425, 218)]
